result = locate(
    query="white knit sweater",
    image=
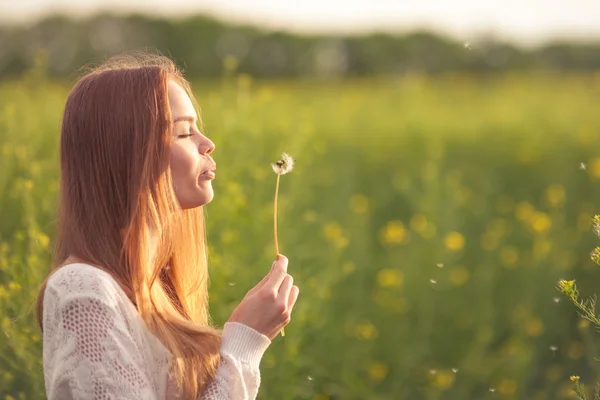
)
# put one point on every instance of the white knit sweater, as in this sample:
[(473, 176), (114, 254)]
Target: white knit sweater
[(96, 346)]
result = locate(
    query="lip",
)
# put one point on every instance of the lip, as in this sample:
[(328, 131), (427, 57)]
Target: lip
[(209, 174)]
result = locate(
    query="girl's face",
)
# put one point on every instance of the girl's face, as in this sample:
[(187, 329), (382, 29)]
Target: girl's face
[(192, 167)]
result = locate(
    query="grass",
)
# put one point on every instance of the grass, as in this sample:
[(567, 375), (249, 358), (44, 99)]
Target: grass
[(474, 184)]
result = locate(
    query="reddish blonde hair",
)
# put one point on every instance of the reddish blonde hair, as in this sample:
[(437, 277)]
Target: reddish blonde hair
[(116, 194)]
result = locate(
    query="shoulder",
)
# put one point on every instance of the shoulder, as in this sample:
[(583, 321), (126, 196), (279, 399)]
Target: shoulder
[(79, 282), (80, 278)]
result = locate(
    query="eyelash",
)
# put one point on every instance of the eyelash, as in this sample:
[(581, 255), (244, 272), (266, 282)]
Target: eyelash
[(185, 136)]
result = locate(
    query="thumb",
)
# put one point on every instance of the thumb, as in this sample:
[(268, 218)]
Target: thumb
[(264, 279)]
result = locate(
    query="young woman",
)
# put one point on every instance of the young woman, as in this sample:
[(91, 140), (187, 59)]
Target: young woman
[(124, 311)]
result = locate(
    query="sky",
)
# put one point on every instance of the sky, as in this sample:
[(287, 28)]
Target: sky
[(528, 22)]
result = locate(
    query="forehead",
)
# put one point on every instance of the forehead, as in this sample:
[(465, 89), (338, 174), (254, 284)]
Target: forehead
[(179, 101)]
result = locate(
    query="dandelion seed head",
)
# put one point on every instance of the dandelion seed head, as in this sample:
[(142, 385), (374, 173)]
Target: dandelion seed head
[(283, 166)]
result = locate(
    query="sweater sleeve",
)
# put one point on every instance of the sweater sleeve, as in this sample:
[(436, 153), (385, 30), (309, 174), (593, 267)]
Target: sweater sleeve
[(238, 375), (88, 351)]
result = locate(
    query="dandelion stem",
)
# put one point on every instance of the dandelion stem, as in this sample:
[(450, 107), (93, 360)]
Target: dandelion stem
[(275, 219), (275, 228)]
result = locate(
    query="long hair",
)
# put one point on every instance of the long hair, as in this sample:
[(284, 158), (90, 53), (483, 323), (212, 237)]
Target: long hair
[(117, 209)]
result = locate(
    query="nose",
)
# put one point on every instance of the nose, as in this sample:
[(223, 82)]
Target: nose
[(206, 146)]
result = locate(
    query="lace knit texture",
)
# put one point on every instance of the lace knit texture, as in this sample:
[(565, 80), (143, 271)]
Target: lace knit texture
[(96, 346)]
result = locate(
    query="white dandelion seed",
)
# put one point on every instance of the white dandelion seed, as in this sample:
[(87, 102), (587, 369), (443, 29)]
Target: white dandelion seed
[(231, 283), (433, 281), (432, 371), (283, 166), (556, 300), (492, 390), (582, 166), (455, 370), (309, 378), (553, 348), (440, 265), (466, 45)]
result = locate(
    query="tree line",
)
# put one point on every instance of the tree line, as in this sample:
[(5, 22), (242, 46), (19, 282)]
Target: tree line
[(206, 47)]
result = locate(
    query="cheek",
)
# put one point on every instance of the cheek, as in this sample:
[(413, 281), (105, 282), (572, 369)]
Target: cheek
[(184, 164)]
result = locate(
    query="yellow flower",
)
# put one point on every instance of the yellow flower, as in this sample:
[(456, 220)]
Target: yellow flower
[(388, 277), (366, 331), (555, 194), (524, 211), (554, 372), (444, 379), (489, 241), (418, 223), (594, 168), (335, 234), (394, 233), (567, 287), (230, 63), (244, 81), (534, 328), (575, 350), (310, 216), (574, 378), (359, 204), (541, 222), (507, 387), (509, 256), (596, 255), (378, 371), (454, 241), (583, 221), (459, 276), (348, 267), (583, 324)]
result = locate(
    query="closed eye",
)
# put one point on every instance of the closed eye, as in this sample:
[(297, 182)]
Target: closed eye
[(185, 135)]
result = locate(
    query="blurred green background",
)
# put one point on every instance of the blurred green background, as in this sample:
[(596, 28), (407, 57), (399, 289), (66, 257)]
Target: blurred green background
[(427, 221)]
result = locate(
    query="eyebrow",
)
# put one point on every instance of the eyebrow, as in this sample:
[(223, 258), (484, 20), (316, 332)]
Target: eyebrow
[(187, 118)]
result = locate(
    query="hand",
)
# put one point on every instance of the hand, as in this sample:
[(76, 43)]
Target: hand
[(268, 306)]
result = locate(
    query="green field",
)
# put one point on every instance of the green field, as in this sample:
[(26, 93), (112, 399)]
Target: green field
[(427, 223)]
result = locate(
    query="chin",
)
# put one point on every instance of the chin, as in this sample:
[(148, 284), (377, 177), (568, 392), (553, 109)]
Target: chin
[(198, 199)]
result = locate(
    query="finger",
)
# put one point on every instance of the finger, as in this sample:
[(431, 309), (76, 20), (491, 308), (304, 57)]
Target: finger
[(284, 289), (264, 279), (294, 292), (278, 273)]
